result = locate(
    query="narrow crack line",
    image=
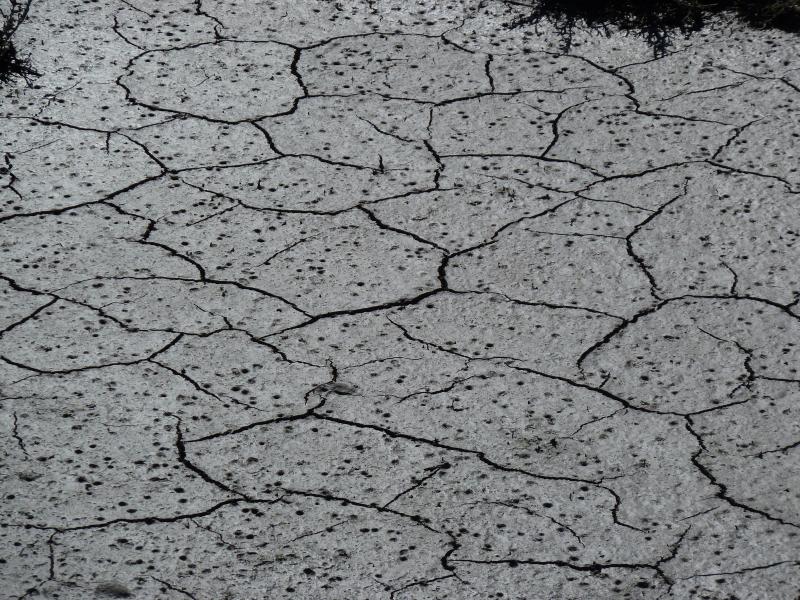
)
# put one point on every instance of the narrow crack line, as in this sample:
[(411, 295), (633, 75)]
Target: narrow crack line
[(32, 316), (607, 178), (542, 186), (51, 556), (489, 94), (229, 165), (327, 529), (393, 593), (293, 68), (790, 84), (211, 216), (615, 509), (480, 455), (280, 419), (200, 270), (416, 519), (386, 227), (643, 267), (487, 67), (419, 482), (534, 514), (443, 390), (37, 371), (285, 249), (257, 290), (169, 586), (673, 552), (523, 155), (722, 489), (701, 513), (153, 519), (736, 133), (200, 12), (749, 378), (181, 448), (746, 570), (660, 57), (215, 533), (650, 310), (538, 303), (413, 192), (782, 449), (224, 401), (15, 432), (658, 115), (609, 71), (735, 282), (382, 132), (782, 379), (280, 155), (401, 302), (586, 567), (164, 168), (592, 422), (701, 91), (136, 8), (439, 164), (268, 137), (732, 169), (116, 29), (588, 235), (510, 224), (380, 360), (63, 209), (554, 125), (215, 281), (586, 386)]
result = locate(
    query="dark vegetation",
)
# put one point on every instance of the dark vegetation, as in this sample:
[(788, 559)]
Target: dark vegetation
[(658, 22), (13, 64)]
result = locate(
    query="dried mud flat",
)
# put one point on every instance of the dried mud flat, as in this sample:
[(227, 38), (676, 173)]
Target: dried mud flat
[(384, 300)]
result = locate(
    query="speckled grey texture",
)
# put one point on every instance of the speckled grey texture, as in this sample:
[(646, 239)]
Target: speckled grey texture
[(379, 299)]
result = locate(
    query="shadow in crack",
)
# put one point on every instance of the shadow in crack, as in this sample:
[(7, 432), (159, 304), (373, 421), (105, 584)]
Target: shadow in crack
[(658, 23), (12, 64)]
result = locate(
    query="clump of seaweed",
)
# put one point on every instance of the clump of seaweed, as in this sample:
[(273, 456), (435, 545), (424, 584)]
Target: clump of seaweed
[(658, 23), (12, 63)]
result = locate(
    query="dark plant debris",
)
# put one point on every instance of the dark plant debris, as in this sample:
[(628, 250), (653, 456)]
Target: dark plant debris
[(13, 64), (658, 23)]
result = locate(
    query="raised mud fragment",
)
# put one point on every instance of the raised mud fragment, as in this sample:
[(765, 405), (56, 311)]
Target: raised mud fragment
[(341, 550), (184, 305), (737, 236), (52, 167), (695, 354), (97, 451), (407, 67), (51, 252), (238, 370), (264, 68), (335, 460), (290, 256), (624, 140), (191, 143), (76, 337), (599, 274), (475, 325)]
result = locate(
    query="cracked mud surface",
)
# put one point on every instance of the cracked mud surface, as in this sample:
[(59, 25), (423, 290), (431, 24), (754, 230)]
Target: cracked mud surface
[(364, 300)]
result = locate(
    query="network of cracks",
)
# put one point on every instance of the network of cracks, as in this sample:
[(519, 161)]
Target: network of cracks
[(367, 300)]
